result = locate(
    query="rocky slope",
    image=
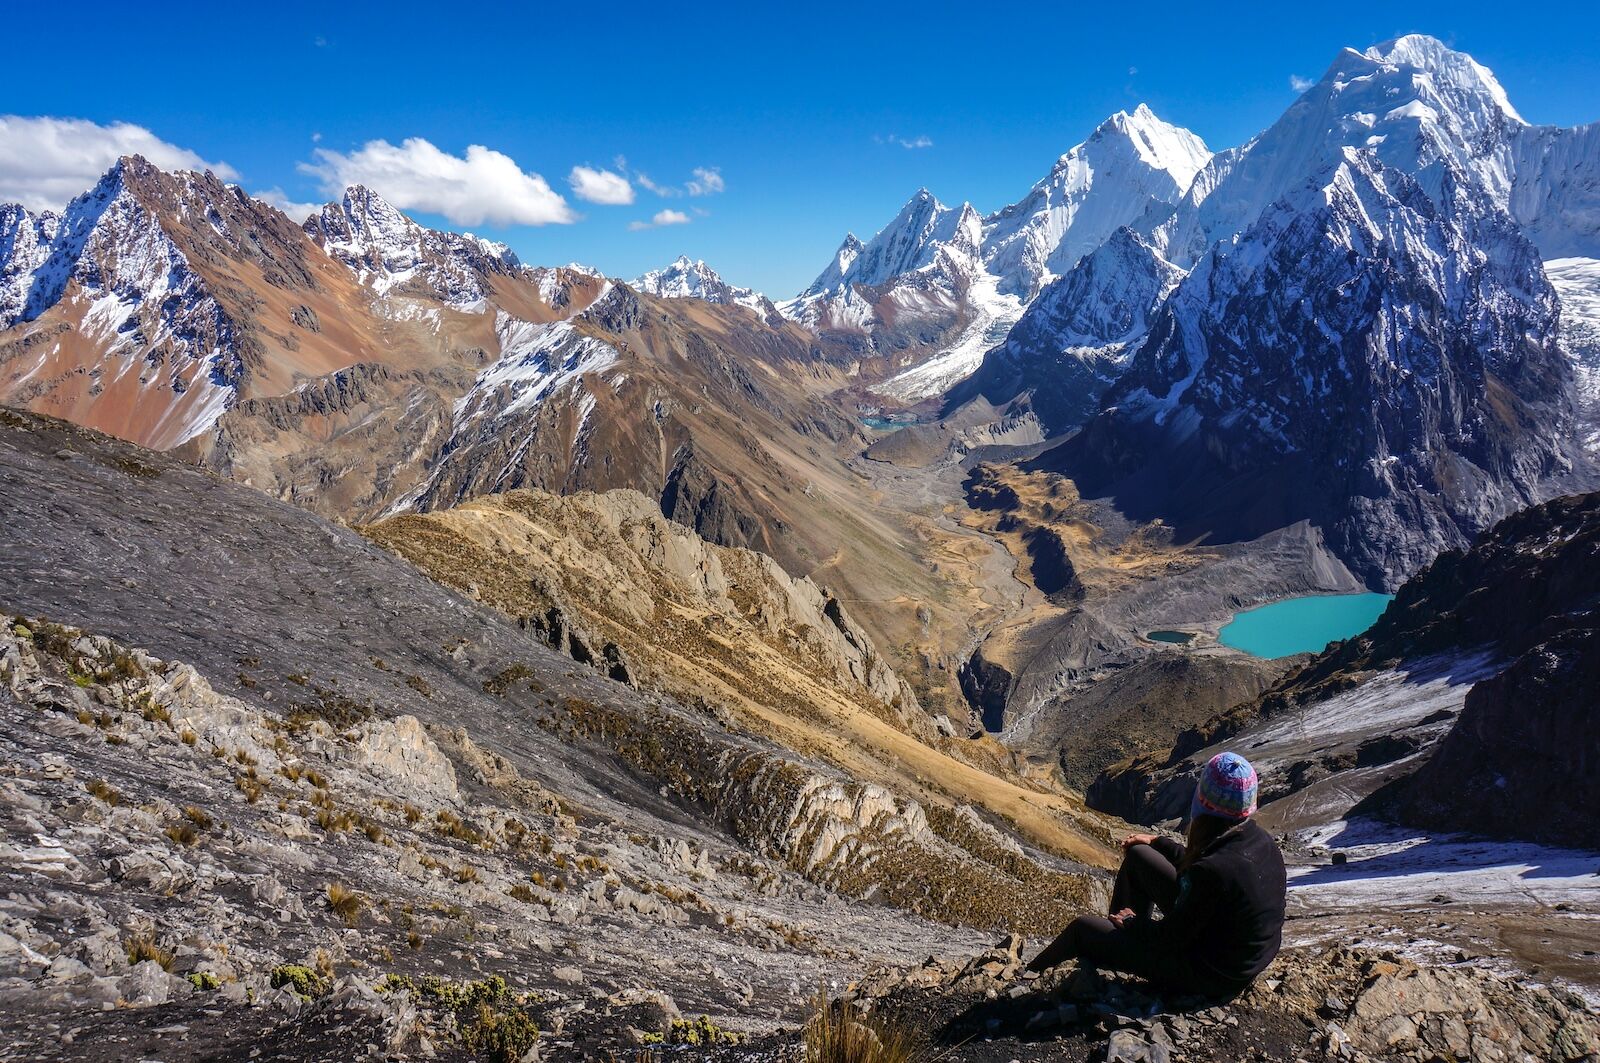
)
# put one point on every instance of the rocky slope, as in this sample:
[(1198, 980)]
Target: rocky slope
[(327, 684), (609, 580), (1519, 762), (1315, 1003)]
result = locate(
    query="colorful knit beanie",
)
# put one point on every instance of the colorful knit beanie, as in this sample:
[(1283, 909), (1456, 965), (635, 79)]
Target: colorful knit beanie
[(1227, 789)]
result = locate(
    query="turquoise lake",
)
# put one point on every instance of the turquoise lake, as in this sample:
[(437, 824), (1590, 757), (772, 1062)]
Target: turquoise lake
[(1302, 625)]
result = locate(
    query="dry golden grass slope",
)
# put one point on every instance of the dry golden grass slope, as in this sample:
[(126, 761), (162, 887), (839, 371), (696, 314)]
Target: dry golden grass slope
[(727, 629)]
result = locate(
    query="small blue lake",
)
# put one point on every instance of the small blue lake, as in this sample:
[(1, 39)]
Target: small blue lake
[(1302, 625), (885, 424)]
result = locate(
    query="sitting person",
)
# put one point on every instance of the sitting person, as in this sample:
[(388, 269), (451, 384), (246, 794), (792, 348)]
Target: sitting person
[(1221, 894)]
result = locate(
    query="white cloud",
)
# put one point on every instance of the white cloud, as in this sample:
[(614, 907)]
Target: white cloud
[(484, 186), (660, 190), (1300, 84), (909, 143), (274, 197), (661, 217), (46, 162), (707, 181), (1132, 70), (600, 186)]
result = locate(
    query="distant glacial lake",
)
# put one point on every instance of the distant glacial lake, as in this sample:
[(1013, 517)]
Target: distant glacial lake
[(1302, 625)]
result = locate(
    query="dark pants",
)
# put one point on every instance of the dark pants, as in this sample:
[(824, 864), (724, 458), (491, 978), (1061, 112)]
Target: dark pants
[(1146, 881)]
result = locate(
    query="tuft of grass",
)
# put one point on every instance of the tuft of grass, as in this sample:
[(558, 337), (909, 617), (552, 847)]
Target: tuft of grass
[(453, 826), (197, 815), (300, 979), (501, 1036), (701, 1031), (413, 939), (183, 833), (466, 873), (844, 1034), (334, 822), (105, 792), (143, 947), (503, 681), (346, 903), (153, 711), (492, 1022), (188, 737)]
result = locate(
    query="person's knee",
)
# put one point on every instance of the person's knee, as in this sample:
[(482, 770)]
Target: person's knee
[(1085, 929), (1142, 854)]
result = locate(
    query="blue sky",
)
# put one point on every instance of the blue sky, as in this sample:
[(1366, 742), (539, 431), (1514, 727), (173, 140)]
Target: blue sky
[(803, 113)]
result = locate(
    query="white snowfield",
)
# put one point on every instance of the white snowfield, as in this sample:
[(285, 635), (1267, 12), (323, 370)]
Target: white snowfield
[(1392, 867), (992, 315)]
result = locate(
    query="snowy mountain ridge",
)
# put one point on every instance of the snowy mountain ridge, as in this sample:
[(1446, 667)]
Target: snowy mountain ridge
[(1413, 105), (157, 300), (687, 278), (949, 274)]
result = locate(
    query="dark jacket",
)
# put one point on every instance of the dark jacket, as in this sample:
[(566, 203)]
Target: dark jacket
[(1228, 918)]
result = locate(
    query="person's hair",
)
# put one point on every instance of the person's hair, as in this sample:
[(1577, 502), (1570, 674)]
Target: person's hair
[(1203, 830)]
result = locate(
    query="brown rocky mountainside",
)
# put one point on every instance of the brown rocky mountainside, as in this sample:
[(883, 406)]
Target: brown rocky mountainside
[(362, 365), (218, 298), (356, 724), (609, 580)]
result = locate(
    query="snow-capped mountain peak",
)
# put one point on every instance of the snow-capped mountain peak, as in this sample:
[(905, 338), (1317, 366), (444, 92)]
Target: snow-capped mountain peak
[(1454, 73), (1419, 105), (688, 278), (1162, 145), (389, 251), (913, 240), (1131, 163)]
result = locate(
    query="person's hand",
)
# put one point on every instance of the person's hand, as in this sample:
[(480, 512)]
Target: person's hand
[(1137, 839), (1118, 918)]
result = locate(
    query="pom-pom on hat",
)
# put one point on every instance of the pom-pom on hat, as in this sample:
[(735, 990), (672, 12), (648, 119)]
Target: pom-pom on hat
[(1227, 789)]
